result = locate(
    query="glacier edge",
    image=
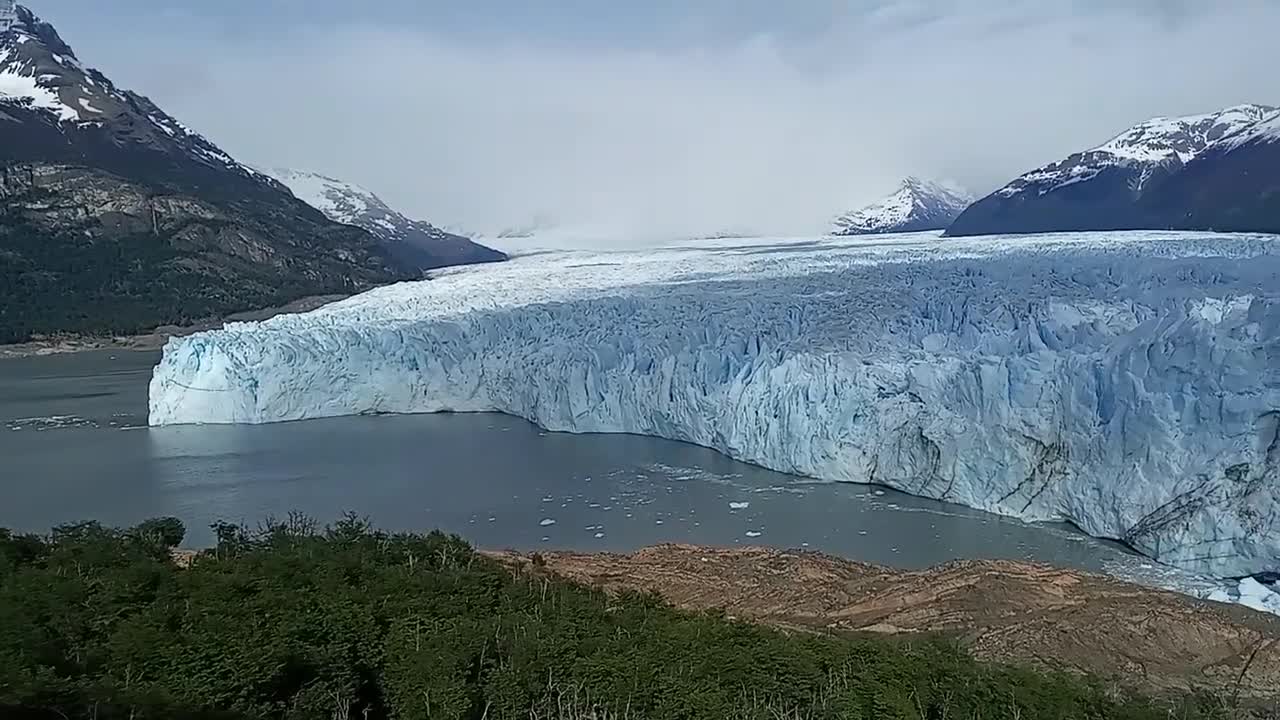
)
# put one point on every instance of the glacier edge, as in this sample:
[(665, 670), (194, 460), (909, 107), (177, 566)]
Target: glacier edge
[(1128, 383)]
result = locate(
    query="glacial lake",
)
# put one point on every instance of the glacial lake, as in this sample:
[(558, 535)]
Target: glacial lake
[(74, 445)]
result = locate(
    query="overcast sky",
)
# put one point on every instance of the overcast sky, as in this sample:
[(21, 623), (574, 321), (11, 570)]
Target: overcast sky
[(644, 117)]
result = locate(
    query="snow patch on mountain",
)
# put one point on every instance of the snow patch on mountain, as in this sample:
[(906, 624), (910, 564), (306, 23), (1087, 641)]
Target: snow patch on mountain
[(340, 201), (39, 71), (1143, 147), (1265, 130), (915, 206), (18, 84), (1162, 139), (1126, 382), (415, 241)]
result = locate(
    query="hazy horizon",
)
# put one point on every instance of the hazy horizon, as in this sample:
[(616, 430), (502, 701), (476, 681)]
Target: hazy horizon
[(666, 118)]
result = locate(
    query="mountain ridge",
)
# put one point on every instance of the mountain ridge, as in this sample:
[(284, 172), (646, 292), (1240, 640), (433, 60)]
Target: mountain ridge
[(415, 242), (1105, 187)]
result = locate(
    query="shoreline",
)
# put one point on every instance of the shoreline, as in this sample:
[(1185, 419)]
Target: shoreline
[(155, 339)]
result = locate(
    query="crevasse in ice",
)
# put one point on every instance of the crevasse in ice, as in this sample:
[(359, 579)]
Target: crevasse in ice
[(1129, 383)]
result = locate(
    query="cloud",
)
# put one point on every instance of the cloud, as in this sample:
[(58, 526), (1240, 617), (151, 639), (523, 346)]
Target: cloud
[(773, 126)]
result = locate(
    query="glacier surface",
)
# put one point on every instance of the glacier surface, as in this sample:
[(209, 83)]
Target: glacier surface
[(1126, 382)]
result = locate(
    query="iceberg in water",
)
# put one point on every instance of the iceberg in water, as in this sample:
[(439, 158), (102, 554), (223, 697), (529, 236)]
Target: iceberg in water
[(1128, 383)]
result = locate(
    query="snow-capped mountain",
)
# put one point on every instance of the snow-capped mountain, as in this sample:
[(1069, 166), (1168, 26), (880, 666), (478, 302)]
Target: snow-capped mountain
[(414, 241), (40, 74), (1101, 188), (1233, 185), (114, 216), (916, 205)]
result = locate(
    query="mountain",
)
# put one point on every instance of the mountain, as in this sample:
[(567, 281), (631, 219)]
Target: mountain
[(115, 217), (1233, 186), (413, 242), (1104, 188), (915, 206)]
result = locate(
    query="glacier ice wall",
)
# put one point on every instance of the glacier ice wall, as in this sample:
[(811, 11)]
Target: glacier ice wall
[(1129, 383)]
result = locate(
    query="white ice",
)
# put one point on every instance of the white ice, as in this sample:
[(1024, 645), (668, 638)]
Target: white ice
[(1129, 383)]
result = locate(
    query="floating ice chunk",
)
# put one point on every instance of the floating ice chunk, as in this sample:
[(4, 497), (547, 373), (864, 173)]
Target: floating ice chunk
[(753, 534), (1258, 596), (547, 522), (739, 505)]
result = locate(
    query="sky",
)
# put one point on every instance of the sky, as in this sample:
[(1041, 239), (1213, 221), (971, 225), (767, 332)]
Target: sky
[(636, 119)]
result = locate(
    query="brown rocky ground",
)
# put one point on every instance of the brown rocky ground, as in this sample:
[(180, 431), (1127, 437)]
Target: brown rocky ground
[(1003, 611)]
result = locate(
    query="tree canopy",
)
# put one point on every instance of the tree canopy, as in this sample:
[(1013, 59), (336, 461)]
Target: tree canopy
[(297, 621)]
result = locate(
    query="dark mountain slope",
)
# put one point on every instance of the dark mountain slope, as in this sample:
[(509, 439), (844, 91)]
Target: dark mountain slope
[(1108, 187), (115, 217), (1234, 186)]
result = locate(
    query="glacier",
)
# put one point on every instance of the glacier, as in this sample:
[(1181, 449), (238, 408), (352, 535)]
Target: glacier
[(1128, 383)]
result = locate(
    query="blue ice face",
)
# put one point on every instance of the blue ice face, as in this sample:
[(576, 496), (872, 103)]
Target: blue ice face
[(1129, 383)]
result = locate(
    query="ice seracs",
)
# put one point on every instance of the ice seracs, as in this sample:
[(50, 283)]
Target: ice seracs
[(1129, 383), (917, 205)]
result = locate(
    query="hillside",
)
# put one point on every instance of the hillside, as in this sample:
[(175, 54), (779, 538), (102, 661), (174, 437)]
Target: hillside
[(115, 217), (1233, 186)]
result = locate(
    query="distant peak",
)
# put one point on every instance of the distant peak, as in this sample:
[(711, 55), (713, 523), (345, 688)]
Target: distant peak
[(1250, 108), (921, 186), (912, 183), (917, 204)]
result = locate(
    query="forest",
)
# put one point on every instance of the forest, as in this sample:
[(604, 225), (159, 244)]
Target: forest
[(295, 620)]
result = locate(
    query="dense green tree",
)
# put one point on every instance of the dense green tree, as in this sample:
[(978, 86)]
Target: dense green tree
[(297, 621)]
